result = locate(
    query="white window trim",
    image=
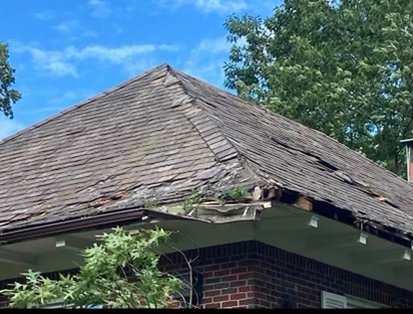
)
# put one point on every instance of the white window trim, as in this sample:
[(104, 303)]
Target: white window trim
[(360, 303), (331, 300)]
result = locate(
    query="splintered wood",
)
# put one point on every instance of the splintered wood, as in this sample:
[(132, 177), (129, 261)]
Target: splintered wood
[(304, 203)]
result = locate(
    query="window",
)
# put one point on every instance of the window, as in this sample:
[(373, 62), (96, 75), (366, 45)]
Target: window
[(185, 291), (358, 303), (335, 301)]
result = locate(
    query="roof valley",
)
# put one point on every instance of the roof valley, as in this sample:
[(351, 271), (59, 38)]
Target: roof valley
[(222, 147), (207, 129)]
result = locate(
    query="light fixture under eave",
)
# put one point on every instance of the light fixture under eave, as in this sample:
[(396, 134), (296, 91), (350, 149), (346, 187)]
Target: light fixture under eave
[(314, 221), (363, 238), (407, 255), (60, 243), (135, 229)]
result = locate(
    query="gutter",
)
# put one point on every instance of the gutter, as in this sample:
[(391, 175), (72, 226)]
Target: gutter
[(110, 219), (53, 228)]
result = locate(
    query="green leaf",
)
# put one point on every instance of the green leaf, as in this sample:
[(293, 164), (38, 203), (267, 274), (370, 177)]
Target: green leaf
[(332, 68)]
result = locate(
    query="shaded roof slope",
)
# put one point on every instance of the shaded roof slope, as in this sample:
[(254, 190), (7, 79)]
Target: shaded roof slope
[(164, 134), (307, 161)]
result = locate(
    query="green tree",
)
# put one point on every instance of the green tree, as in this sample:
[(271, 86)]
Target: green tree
[(7, 94), (341, 67), (119, 272)]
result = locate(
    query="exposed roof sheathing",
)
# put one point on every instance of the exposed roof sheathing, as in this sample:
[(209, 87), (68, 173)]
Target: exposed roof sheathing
[(163, 135)]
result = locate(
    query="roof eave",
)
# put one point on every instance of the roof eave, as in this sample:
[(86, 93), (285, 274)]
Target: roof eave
[(100, 221)]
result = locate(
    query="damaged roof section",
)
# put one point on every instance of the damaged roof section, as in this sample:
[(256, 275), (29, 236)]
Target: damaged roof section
[(336, 180), (163, 136), (144, 140)]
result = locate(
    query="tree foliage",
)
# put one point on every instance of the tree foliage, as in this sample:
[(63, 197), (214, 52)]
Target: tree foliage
[(341, 67), (7, 95), (119, 272)]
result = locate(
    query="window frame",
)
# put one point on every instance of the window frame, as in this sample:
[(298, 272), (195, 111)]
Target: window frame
[(348, 301)]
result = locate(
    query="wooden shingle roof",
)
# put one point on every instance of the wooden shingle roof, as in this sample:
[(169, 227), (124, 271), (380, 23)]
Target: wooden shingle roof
[(163, 135)]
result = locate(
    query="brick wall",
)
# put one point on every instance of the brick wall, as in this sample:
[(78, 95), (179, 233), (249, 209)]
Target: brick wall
[(255, 275)]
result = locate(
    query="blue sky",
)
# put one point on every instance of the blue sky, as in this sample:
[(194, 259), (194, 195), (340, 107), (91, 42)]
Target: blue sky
[(66, 51)]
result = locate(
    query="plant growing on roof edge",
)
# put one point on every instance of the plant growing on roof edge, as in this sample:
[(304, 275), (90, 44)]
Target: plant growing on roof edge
[(236, 194), (193, 199), (119, 272), (150, 204)]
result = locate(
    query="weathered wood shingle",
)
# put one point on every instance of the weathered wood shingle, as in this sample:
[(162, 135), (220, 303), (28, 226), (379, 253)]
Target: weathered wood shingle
[(163, 135), (307, 161), (144, 140)]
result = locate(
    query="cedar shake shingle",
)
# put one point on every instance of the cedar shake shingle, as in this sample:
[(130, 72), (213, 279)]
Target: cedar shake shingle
[(163, 135)]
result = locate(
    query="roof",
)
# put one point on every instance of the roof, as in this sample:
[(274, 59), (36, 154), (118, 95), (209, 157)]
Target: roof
[(163, 135), (407, 141)]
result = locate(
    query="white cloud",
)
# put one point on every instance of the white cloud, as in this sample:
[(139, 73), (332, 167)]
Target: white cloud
[(8, 127), (114, 55), (75, 29), (45, 15), (52, 62), (100, 9), (65, 62), (208, 6), (68, 26), (169, 48)]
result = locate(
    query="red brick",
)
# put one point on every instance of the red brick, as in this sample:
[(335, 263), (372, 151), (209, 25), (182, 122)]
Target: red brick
[(206, 300), (268, 274), (222, 285), (238, 296), (212, 267), (229, 278), (212, 306), (260, 296), (221, 298), (238, 283), (245, 276), (212, 293), (229, 304), (238, 270), (245, 289), (246, 302), (251, 295), (229, 291), (222, 272), (212, 280), (229, 265)]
